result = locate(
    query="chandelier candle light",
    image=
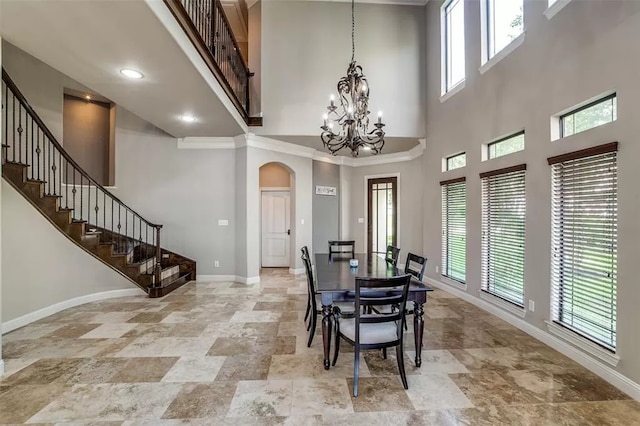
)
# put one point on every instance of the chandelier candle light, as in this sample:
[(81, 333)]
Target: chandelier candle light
[(352, 119)]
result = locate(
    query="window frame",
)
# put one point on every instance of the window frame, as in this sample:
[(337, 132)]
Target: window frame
[(513, 135), (588, 105), (488, 12), (445, 246), (485, 251), (557, 262), (447, 85), (450, 157)]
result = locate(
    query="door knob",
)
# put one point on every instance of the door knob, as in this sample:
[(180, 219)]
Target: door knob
[(288, 231)]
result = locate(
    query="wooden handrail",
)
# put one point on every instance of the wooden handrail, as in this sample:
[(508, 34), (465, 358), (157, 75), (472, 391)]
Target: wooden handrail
[(42, 127)]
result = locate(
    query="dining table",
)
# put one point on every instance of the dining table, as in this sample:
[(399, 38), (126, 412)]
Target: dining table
[(336, 282)]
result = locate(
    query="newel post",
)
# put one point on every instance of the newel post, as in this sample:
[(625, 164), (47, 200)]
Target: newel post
[(158, 266)]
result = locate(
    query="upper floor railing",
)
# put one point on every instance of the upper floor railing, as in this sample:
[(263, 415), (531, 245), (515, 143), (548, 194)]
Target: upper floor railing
[(206, 24)]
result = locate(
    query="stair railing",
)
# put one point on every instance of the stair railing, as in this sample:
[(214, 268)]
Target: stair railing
[(28, 141), (205, 22)]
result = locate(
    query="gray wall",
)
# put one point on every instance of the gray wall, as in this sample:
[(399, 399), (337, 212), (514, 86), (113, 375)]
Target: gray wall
[(410, 217), (583, 51), (326, 208), (42, 266), (306, 49)]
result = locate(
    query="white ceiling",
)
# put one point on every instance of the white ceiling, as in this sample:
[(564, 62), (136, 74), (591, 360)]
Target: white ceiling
[(90, 41)]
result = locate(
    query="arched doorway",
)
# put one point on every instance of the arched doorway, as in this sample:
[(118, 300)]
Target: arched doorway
[(276, 182)]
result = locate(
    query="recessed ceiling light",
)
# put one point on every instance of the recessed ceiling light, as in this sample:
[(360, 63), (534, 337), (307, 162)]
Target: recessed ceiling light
[(187, 118), (131, 73)]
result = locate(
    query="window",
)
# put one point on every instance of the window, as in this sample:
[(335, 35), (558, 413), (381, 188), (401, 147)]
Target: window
[(584, 242), (505, 146), (452, 21), (456, 161), (382, 217), (454, 229), (587, 117), (503, 233), (504, 23)]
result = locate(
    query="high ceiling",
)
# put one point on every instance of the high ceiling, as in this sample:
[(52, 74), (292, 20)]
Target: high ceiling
[(145, 36), (90, 41)]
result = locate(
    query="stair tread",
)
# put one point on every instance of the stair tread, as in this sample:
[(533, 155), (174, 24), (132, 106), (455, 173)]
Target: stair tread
[(171, 279), (35, 181), (15, 163)]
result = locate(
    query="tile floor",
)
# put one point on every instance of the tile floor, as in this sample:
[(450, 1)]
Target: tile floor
[(232, 354)]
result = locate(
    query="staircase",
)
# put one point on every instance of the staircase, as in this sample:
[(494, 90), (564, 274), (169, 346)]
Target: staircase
[(37, 166)]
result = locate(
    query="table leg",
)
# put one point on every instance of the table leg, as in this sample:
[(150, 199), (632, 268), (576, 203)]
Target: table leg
[(326, 333), (418, 330)]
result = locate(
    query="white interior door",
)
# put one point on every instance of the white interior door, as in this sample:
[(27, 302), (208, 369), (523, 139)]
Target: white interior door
[(276, 228)]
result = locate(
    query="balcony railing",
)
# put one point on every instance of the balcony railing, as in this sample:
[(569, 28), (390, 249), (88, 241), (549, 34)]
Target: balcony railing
[(206, 24)]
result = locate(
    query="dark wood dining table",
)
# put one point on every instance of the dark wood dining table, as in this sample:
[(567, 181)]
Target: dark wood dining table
[(336, 282)]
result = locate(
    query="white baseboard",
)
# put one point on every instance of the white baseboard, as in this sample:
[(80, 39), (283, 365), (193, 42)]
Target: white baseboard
[(50, 310), (232, 278), (248, 280), (216, 278), (617, 379), (296, 271)]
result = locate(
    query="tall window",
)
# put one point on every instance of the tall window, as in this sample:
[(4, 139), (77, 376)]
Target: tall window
[(587, 117), (504, 23), (383, 214), (454, 229), (452, 21), (585, 242), (503, 233)]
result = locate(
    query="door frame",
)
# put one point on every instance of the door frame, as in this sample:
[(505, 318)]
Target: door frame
[(366, 207), (291, 218)]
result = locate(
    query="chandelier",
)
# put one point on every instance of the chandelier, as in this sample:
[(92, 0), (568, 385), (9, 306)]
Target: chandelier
[(347, 126)]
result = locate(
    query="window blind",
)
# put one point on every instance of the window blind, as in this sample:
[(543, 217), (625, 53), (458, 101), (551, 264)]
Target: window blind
[(454, 229), (503, 233), (585, 244)]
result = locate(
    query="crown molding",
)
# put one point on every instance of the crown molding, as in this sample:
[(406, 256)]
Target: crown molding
[(275, 145)]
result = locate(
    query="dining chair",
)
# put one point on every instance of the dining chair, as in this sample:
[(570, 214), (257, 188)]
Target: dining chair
[(375, 330), (341, 247), (313, 300), (392, 255), (415, 266)]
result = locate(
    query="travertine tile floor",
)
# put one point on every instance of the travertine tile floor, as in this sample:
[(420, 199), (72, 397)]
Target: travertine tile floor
[(232, 354)]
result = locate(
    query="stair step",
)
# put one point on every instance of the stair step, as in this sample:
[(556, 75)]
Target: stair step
[(168, 284)]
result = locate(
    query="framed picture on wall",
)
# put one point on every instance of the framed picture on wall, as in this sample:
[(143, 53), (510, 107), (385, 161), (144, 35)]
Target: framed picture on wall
[(325, 190)]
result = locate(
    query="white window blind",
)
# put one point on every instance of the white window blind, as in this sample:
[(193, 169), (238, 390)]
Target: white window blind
[(585, 242), (503, 233), (454, 229)]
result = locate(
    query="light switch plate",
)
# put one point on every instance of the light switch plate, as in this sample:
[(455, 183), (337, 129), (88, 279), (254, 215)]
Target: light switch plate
[(223, 222), (532, 305), (301, 221), (361, 220)]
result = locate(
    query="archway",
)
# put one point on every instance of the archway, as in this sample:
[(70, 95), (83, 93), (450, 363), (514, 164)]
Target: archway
[(276, 182)]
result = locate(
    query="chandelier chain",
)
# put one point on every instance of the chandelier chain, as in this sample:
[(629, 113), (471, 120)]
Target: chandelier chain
[(353, 29)]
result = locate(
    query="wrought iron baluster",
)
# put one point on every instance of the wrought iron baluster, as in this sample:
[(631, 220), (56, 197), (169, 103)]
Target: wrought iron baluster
[(97, 209), (32, 152), (53, 169), (88, 201), (81, 195), (38, 150), (49, 166), (66, 184), (13, 129)]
